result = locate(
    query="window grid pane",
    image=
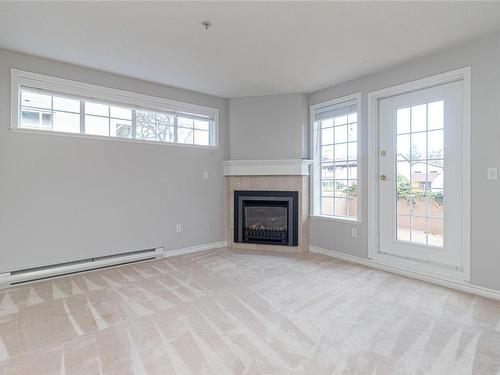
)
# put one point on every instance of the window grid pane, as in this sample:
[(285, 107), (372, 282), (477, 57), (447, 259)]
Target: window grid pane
[(57, 112), (338, 165)]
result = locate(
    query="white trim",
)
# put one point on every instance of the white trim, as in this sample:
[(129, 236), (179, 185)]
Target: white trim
[(194, 249), (466, 171), (462, 286), (463, 74), (338, 219), (109, 95), (284, 167), (336, 101), (356, 97), (106, 138)]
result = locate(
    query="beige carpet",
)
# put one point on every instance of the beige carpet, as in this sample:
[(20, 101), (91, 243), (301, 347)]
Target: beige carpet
[(223, 312)]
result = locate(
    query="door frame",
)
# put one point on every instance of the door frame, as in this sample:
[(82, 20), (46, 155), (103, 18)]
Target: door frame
[(374, 97)]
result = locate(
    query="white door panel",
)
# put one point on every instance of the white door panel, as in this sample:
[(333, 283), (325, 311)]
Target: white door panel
[(420, 149)]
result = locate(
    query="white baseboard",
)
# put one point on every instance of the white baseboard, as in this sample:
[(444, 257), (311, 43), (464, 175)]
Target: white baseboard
[(457, 285), (194, 249)]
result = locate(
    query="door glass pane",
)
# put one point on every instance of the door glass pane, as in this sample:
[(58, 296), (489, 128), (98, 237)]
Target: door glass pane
[(436, 203), (436, 144), (403, 147), (419, 118), (418, 229), (420, 174), (418, 146), (403, 227), (436, 115), (403, 120), (436, 232), (403, 190)]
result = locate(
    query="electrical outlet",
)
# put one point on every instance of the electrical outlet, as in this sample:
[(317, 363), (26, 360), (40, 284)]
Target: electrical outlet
[(354, 232), (492, 173), (178, 228), (205, 175)]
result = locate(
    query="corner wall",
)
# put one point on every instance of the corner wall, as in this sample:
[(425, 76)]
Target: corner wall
[(483, 55), (269, 127), (64, 198)]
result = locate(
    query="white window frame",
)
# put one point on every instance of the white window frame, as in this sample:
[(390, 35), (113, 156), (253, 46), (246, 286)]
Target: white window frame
[(316, 157), (107, 95)]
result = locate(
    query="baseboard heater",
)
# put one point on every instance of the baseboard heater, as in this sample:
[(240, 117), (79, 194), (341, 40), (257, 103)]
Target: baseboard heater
[(38, 273)]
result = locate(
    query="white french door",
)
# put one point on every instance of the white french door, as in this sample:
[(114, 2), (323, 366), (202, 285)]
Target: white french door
[(420, 175)]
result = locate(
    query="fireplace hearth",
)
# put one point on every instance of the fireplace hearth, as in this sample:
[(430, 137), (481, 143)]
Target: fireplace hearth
[(266, 217)]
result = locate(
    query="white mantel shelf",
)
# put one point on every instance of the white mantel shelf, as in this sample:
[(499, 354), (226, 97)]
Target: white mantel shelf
[(292, 167)]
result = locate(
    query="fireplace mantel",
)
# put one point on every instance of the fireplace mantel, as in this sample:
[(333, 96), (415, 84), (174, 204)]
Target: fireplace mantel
[(283, 167)]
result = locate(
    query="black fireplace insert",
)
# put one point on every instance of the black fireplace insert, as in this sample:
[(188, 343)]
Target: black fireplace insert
[(266, 217)]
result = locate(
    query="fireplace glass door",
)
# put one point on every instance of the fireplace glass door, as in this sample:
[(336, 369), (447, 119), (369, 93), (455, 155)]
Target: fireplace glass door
[(266, 217), (266, 222)]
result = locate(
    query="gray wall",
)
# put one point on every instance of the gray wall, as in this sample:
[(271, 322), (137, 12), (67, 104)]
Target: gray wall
[(269, 127), (483, 56), (65, 198)]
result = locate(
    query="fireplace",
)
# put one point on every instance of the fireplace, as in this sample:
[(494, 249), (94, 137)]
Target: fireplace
[(266, 217)]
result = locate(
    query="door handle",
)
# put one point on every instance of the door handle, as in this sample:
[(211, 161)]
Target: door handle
[(383, 177)]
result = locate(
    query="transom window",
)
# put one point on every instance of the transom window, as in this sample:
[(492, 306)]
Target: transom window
[(336, 159), (41, 109)]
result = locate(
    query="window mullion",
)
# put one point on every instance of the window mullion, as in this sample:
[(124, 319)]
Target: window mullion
[(176, 128), (134, 124), (82, 117), (51, 113)]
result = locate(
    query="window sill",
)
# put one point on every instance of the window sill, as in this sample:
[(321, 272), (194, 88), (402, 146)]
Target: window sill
[(107, 138), (335, 219)]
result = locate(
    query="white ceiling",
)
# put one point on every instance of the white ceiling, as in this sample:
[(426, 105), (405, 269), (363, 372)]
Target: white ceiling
[(252, 48)]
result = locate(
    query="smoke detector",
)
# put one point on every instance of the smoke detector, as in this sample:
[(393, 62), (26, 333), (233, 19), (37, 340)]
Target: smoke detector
[(206, 24)]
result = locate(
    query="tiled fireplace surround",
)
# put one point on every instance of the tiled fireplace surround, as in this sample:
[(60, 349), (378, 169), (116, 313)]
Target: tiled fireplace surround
[(261, 175)]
